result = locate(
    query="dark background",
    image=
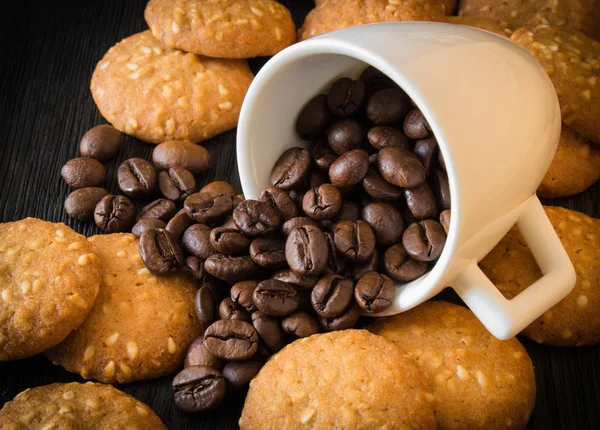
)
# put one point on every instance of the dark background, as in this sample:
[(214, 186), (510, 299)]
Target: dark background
[(48, 52)]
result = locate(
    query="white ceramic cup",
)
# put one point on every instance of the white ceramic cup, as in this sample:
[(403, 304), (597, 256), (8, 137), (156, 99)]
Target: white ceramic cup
[(496, 117)]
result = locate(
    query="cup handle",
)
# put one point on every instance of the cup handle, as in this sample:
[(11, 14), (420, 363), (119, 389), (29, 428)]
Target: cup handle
[(505, 318)]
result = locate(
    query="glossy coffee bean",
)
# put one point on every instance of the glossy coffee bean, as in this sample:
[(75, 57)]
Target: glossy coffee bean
[(238, 374), (268, 330), (280, 200), (146, 224), (198, 355), (188, 155), (291, 169), (335, 262), (228, 268), (292, 223), (255, 218), (241, 293), (230, 310), (400, 168), (160, 252), (205, 305), (400, 266), (426, 150), (424, 240), (176, 183), (162, 209), (346, 97), (198, 389), (350, 168), (101, 142), (441, 188), (80, 204), (359, 270), (306, 250), (301, 282), (268, 252), (314, 118), (379, 188), (300, 324), (345, 135), (386, 222), (388, 107), (194, 267), (445, 220), (354, 240), (136, 177), (196, 241), (83, 172), (322, 155), (323, 202), (375, 80), (421, 202), (332, 295), (275, 298), (228, 241), (209, 207), (179, 224), (219, 187), (415, 125), (344, 321), (114, 214), (374, 292), (383, 137), (231, 339)]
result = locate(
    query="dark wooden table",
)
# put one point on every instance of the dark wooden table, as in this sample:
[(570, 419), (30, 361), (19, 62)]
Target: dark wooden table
[(49, 50)]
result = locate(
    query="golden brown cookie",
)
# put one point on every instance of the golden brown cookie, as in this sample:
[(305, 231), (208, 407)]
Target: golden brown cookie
[(344, 379), (573, 63), (49, 278), (337, 14), (575, 320), (479, 382), (449, 5), (568, 15), (575, 167), (141, 324), (483, 23), (222, 28), (77, 406), (156, 93)]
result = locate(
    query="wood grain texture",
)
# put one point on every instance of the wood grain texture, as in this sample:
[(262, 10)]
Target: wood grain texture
[(49, 50)]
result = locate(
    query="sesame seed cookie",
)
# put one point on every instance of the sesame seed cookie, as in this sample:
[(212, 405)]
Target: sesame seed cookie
[(479, 382), (77, 406), (337, 14), (572, 61), (568, 15), (140, 326), (222, 28), (575, 320), (449, 5), (156, 93), (49, 278), (483, 23), (343, 379), (575, 167)]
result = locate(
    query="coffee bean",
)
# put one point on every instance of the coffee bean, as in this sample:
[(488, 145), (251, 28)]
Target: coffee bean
[(415, 125), (314, 118), (205, 306), (400, 168), (346, 97), (209, 207), (302, 282), (426, 150), (136, 177), (355, 240), (238, 374), (228, 241), (386, 222), (196, 241), (379, 188), (280, 200), (445, 220), (198, 355), (146, 224), (269, 331), (424, 240), (255, 218), (162, 209), (349, 210), (335, 263), (388, 107), (80, 204), (188, 155), (441, 161), (230, 310), (332, 295), (268, 252), (323, 202), (291, 168), (194, 267), (441, 188), (345, 135), (241, 293), (350, 168), (322, 155), (383, 137), (344, 321), (229, 223), (375, 80), (374, 292), (361, 269), (228, 268), (275, 298), (231, 340), (160, 252), (179, 223), (198, 389), (292, 223), (176, 183), (300, 324), (306, 250), (400, 266), (114, 214), (101, 142), (421, 201), (83, 172), (219, 187)]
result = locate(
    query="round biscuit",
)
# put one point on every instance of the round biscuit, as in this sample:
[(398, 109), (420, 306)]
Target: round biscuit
[(482, 23), (449, 5)]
